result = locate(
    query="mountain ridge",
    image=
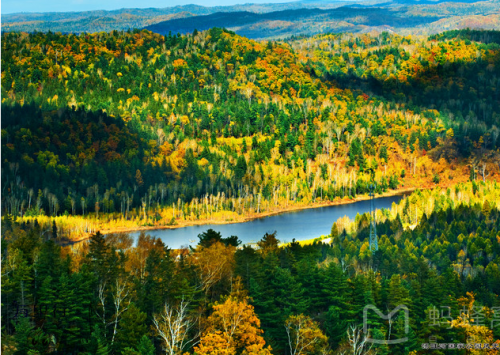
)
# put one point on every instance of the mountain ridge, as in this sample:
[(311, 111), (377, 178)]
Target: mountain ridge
[(272, 21)]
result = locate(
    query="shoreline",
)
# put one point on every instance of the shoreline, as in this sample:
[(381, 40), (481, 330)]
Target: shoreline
[(251, 218)]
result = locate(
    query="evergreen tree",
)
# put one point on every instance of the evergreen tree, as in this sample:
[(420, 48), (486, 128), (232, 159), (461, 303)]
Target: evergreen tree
[(23, 335), (97, 344), (334, 296), (308, 275), (145, 346), (132, 328), (99, 255), (241, 168)]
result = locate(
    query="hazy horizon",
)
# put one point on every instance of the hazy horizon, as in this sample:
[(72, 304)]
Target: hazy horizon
[(30, 6)]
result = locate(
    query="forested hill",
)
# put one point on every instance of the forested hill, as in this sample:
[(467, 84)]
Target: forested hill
[(273, 20), (161, 129), (283, 23), (123, 19)]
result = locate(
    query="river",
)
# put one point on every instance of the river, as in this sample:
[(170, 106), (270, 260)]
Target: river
[(301, 225)]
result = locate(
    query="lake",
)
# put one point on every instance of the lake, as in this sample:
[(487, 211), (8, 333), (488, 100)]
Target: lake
[(301, 225)]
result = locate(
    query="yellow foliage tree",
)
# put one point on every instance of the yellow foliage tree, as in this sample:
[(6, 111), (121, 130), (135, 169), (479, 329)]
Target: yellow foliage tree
[(474, 333), (233, 328), (305, 336), (214, 263)]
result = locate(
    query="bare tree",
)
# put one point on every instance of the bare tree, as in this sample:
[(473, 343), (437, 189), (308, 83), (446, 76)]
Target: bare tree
[(248, 93), (143, 201), (129, 200), (358, 341), (101, 288), (173, 325), (30, 195), (73, 205), (163, 189), (84, 203), (483, 171), (161, 136), (97, 198), (120, 294)]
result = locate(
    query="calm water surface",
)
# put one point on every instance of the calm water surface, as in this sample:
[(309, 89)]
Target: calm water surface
[(301, 225)]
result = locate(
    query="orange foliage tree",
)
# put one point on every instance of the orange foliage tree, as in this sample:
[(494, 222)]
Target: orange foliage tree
[(233, 328), (215, 263)]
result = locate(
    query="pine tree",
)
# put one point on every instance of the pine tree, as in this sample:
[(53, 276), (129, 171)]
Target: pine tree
[(49, 261), (288, 299), (99, 255), (209, 237), (132, 328), (360, 296), (241, 168), (46, 302), (22, 277), (145, 346), (101, 348), (246, 263), (263, 296), (398, 294), (399, 331), (432, 290), (335, 297), (83, 283), (54, 230), (334, 233), (23, 335), (66, 329), (160, 283), (309, 277), (244, 146)]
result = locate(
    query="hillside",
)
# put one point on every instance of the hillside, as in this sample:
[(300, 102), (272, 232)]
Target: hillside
[(308, 21), (400, 17), (124, 19), (160, 127), (129, 130), (272, 21)]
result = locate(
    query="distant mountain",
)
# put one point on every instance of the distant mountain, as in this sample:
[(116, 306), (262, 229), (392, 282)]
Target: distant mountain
[(263, 21), (351, 18), (233, 19), (85, 22), (123, 19)]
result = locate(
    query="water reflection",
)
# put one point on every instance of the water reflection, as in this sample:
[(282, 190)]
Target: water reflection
[(301, 225)]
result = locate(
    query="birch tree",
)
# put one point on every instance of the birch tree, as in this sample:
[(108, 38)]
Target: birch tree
[(358, 341), (174, 326), (120, 303), (305, 336)]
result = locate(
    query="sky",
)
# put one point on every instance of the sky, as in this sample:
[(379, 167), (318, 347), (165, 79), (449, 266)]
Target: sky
[(11, 6)]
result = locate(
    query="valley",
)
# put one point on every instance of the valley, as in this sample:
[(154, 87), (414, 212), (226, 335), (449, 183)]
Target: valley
[(123, 132)]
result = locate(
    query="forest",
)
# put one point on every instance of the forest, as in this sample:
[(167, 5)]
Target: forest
[(113, 296), (110, 132), (271, 20), (131, 129)]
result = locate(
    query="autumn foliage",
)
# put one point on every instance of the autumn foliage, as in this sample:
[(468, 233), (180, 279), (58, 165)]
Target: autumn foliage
[(233, 328)]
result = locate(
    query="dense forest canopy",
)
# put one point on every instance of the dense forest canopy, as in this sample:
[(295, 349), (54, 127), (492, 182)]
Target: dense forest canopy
[(134, 124), (123, 130), (114, 296)]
